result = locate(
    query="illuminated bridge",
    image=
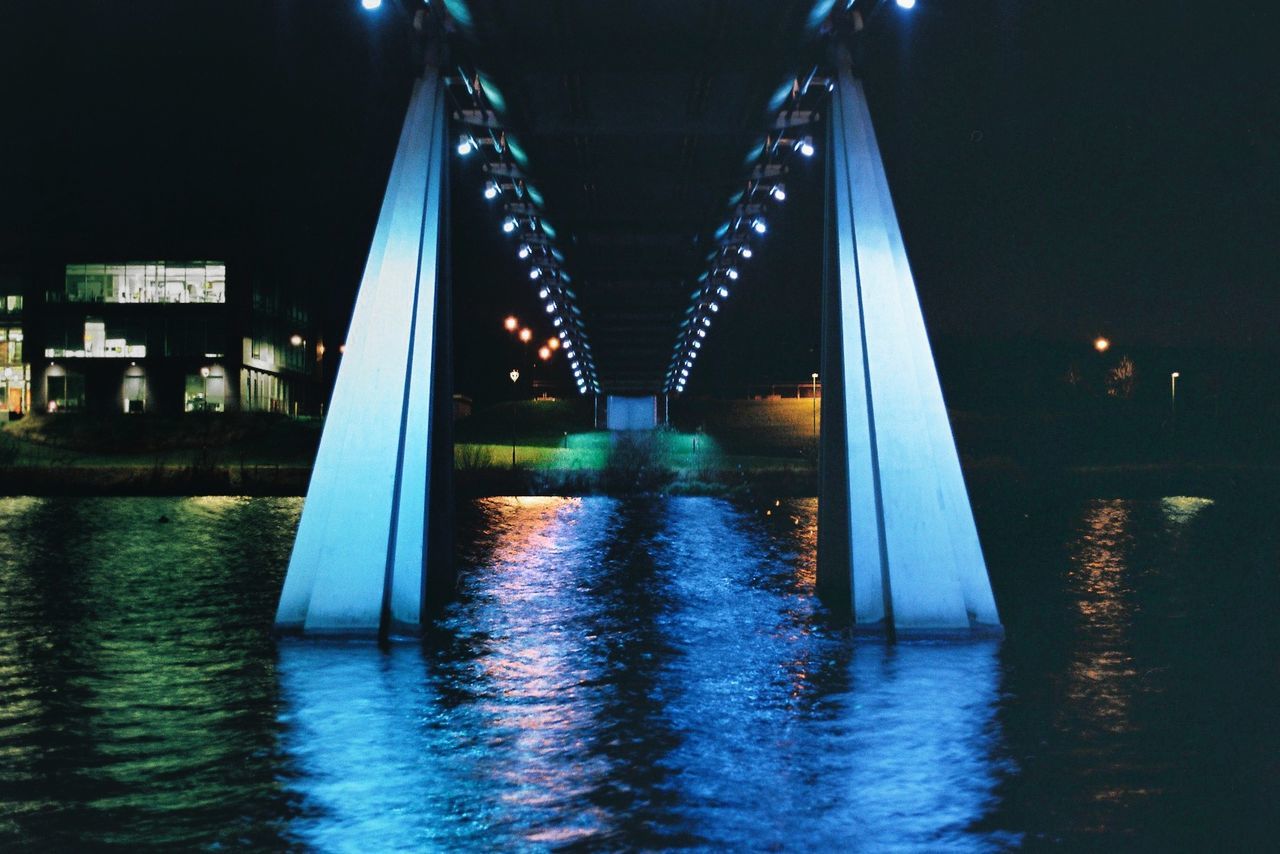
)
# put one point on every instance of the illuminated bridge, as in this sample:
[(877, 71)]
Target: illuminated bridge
[(635, 155)]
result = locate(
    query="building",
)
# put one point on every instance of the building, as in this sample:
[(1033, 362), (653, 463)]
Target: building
[(159, 336), (15, 371)]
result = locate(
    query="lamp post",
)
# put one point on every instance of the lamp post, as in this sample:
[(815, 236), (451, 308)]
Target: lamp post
[(515, 378), (814, 375), (1173, 397)]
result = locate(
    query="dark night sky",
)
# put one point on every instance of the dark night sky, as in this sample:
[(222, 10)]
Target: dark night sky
[(1060, 169)]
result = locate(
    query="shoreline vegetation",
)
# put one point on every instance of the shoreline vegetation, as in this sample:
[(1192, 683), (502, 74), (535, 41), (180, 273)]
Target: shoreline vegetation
[(740, 448)]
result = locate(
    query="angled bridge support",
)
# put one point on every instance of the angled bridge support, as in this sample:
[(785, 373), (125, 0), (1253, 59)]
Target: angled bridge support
[(377, 508), (897, 541)]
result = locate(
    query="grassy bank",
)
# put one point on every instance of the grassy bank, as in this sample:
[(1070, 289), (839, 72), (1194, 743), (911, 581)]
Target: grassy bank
[(737, 447)]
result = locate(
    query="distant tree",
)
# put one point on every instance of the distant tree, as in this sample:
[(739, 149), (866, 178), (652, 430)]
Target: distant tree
[(1122, 379)]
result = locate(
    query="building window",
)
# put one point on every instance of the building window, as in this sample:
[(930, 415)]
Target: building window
[(15, 377), (10, 345), (151, 282), (96, 340), (15, 388), (11, 304), (134, 390), (206, 391), (65, 391)]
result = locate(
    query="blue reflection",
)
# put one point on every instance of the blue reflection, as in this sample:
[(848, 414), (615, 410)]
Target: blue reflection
[(628, 674)]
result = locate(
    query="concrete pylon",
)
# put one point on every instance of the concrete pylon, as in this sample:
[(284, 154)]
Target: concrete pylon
[(897, 542), (377, 508)]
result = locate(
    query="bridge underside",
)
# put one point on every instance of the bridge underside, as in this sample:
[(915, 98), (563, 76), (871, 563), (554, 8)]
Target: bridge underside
[(897, 542)]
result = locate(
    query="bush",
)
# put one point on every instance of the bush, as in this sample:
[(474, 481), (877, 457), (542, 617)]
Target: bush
[(635, 465)]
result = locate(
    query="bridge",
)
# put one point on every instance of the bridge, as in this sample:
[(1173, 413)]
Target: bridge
[(635, 186)]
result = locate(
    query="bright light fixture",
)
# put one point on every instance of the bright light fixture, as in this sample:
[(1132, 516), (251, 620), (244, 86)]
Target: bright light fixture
[(371, 4)]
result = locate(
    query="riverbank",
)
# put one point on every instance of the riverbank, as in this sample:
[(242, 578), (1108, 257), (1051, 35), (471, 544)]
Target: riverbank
[(747, 449), (985, 482)]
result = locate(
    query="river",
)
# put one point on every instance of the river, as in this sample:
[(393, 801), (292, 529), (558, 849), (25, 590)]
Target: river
[(639, 673)]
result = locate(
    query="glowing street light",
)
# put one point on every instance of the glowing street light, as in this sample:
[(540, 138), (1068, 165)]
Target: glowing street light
[(526, 335), (814, 375), (544, 353), (515, 378), (553, 343), (510, 323), (1102, 344)]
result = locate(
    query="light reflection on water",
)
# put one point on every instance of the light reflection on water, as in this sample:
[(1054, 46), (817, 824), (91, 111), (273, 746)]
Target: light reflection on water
[(643, 696), (629, 674)]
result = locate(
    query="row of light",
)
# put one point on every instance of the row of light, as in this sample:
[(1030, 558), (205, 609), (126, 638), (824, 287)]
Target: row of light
[(747, 223), (523, 220)]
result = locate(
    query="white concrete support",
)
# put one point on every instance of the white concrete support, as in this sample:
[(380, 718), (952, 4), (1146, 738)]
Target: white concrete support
[(358, 563), (901, 544)]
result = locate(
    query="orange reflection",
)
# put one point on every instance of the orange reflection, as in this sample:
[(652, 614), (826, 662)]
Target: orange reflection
[(1102, 678)]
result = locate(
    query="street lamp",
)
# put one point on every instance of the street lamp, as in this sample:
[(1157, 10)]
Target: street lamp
[(1102, 344), (510, 323), (814, 376), (1173, 392), (544, 353), (526, 335), (515, 378)]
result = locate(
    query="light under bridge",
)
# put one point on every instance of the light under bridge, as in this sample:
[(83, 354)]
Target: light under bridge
[(663, 167)]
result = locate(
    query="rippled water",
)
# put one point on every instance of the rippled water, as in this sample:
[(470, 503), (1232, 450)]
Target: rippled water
[(636, 674)]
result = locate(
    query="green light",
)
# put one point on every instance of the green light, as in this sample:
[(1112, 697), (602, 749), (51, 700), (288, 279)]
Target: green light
[(492, 93)]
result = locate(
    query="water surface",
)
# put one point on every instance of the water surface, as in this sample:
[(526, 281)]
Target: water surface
[(636, 674)]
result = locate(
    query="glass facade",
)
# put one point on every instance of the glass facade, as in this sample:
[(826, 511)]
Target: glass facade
[(65, 391), (266, 392), (206, 391), (95, 339), (15, 377), (150, 282)]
